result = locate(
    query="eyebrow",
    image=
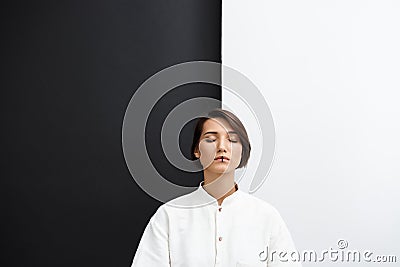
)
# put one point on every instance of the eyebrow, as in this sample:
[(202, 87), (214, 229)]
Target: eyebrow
[(230, 132)]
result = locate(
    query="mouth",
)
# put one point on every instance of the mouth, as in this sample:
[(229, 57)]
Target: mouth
[(221, 159)]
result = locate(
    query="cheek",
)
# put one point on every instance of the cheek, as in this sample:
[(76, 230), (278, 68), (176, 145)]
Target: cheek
[(237, 153), (207, 150)]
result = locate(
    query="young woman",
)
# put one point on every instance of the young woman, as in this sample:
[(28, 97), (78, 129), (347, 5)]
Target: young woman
[(218, 224)]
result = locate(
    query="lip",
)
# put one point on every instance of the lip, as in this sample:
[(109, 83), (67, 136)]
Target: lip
[(219, 157)]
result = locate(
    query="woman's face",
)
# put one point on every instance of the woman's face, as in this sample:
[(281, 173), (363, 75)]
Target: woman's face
[(219, 139)]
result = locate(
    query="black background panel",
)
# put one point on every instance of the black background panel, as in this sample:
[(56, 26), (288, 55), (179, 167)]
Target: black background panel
[(69, 70)]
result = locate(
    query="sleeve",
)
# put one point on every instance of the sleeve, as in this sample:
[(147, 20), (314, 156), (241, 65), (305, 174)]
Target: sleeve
[(282, 251), (153, 249)]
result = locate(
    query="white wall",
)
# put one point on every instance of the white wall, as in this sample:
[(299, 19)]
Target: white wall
[(330, 71)]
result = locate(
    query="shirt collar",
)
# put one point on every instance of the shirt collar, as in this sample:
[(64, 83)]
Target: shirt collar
[(204, 195)]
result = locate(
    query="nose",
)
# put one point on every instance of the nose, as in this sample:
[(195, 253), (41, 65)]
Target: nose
[(223, 145)]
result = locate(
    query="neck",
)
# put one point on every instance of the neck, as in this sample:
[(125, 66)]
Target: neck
[(219, 185)]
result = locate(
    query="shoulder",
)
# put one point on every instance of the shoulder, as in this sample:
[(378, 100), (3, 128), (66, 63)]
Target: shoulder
[(177, 204), (186, 200), (262, 207), (257, 202)]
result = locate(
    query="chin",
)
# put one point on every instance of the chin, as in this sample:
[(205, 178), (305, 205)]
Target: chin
[(221, 170)]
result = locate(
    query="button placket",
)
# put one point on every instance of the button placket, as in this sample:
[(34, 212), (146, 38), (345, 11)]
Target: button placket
[(219, 234)]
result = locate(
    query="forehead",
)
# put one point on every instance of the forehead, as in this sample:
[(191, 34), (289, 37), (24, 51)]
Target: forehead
[(217, 125)]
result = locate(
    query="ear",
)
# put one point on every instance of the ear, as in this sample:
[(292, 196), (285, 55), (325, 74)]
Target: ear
[(196, 152)]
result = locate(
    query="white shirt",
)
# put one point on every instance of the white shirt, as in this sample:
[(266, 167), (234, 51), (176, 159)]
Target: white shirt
[(238, 232)]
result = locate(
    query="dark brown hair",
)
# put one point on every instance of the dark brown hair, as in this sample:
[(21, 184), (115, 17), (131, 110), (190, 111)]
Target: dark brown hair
[(234, 122)]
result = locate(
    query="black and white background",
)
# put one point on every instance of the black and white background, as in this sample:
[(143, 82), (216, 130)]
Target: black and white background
[(329, 71)]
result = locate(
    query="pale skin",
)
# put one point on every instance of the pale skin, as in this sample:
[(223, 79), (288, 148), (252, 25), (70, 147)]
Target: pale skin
[(219, 139)]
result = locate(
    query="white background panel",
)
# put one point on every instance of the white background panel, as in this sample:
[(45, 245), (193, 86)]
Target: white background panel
[(329, 71)]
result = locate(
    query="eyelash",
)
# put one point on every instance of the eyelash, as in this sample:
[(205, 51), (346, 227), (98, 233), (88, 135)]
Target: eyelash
[(210, 140)]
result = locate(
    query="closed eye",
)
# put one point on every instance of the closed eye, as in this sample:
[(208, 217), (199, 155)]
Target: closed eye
[(211, 140)]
